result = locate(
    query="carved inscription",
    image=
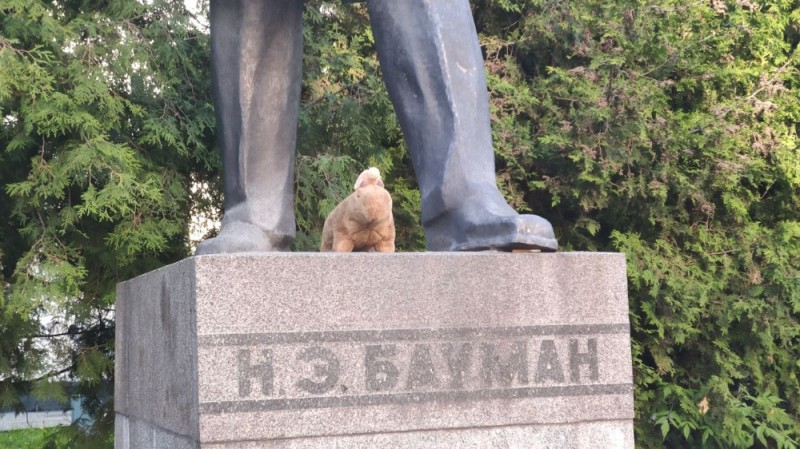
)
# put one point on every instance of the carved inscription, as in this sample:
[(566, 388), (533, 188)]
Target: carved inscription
[(246, 372), (383, 367), (325, 369)]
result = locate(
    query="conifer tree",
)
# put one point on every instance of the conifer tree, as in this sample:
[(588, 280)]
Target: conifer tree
[(106, 121), (668, 130)]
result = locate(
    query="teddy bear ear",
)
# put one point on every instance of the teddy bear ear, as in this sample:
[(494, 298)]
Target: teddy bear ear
[(362, 178), (369, 176)]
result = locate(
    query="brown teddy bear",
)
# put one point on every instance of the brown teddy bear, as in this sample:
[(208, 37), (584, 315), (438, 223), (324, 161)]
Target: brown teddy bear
[(363, 221)]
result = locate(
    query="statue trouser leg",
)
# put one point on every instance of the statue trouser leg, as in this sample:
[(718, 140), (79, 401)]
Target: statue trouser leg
[(432, 64), (256, 51)]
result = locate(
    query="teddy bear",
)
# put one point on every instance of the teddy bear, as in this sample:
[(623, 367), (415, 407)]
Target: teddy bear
[(363, 221)]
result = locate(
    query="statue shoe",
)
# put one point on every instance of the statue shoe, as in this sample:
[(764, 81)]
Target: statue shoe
[(242, 237), (488, 226)]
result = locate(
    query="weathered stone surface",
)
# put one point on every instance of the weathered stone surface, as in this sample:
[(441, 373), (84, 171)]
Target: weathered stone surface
[(135, 433), (377, 350), (592, 435), (156, 350)]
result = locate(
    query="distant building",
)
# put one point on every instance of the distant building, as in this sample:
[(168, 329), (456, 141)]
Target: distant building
[(40, 414)]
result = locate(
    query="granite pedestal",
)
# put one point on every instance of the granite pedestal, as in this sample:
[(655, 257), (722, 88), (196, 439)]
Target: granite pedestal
[(368, 350)]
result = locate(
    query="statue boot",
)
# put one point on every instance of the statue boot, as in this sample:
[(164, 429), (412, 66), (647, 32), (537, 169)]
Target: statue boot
[(434, 72), (256, 52)]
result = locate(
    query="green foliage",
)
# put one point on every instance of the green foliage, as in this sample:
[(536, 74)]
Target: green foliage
[(33, 439), (105, 117), (668, 131), (347, 124)]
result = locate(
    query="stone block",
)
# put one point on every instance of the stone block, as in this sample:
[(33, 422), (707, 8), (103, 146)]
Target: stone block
[(301, 350)]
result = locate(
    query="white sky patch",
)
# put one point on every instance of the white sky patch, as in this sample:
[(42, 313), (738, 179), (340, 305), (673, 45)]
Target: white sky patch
[(201, 221), (200, 19)]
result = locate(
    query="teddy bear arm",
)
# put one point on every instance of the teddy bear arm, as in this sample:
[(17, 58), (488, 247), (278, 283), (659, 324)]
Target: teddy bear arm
[(343, 243), (326, 244), (385, 246), (386, 234)]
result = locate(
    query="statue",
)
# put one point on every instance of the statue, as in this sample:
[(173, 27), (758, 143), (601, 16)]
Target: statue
[(433, 69)]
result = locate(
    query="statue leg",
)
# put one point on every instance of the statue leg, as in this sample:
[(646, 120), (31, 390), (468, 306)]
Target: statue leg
[(433, 68), (256, 52)]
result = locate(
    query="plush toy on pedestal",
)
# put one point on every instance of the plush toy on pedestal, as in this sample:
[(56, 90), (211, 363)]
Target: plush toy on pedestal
[(363, 221)]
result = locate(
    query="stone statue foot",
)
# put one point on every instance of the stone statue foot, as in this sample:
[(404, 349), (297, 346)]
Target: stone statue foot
[(479, 227), (241, 237)]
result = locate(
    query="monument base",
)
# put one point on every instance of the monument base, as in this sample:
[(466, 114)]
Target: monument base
[(591, 435), (427, 350)]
